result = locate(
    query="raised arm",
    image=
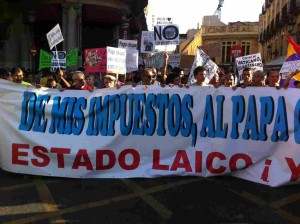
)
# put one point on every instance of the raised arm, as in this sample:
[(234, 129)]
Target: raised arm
[(164, 68), (61, 76), (288, 79)]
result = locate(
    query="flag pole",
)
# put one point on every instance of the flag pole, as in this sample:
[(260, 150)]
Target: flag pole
[(236, 75), (57, 56)]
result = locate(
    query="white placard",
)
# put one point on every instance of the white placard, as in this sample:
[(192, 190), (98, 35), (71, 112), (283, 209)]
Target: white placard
[(290, 66), (127, 44), (147, 42), (174, 60), (54, 36), (249, 61), (132, 59), (166, 34), (116, 60), (164, 20), (58, 60)]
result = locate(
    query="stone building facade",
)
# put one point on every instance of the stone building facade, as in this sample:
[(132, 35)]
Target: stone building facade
[(217, 40), (278, 17), (84, 24)]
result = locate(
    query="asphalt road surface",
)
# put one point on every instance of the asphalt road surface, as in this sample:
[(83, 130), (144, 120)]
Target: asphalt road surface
[(165, 200)]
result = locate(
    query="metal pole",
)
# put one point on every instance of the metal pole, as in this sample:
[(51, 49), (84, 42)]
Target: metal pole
[(31, 20), (32, 44)]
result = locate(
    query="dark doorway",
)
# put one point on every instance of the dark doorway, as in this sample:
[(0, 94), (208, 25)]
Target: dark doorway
[(97, 35)]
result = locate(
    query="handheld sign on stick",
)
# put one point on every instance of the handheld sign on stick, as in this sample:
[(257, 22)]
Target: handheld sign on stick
[(54, 37)]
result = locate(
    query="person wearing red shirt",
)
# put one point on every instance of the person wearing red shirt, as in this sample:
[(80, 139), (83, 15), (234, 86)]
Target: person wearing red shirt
[(79, 82)]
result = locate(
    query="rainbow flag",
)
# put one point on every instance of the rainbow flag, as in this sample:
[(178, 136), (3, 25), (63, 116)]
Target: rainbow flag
[(293, 50)]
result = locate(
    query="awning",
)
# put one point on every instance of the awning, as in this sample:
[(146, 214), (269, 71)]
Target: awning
[(278, 61)]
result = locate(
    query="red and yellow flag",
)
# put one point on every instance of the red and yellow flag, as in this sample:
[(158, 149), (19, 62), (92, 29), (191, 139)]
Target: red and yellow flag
[(293, 53), (293, 50)]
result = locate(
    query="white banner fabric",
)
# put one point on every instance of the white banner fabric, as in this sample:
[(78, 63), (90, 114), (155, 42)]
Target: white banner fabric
[(250, 133)]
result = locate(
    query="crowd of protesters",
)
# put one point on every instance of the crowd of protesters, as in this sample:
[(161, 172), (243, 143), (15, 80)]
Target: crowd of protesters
[(167, 75)]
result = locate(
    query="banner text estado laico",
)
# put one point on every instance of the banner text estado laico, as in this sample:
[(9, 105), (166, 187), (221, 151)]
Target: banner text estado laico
[(161, 114), (248, 63), (250, 133)]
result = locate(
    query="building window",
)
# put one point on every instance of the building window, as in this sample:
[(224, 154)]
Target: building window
[(246, 48), (226, 50)]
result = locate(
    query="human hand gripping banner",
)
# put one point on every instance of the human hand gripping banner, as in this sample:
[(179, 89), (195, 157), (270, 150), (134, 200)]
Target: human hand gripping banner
[(248, 133)]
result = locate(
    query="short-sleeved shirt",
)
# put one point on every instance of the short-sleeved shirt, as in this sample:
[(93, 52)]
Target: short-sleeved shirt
[(85, 87)]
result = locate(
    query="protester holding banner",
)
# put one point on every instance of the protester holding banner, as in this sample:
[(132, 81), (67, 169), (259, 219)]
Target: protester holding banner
[(227, 80), (185, 78), (52, 84), (90, 81), (246, 78), (179, 71), (46, 74), (128, 78), (154, 71), (79, 82), (173, 71), (18, 76), (138, 73), (173, 79), (200, 75), (148, 78), (109, 81), (98, 77), (215, 79), (274, 79), (259, 79)]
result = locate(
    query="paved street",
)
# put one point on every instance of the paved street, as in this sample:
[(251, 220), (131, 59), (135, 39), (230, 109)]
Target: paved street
[(34, 199)]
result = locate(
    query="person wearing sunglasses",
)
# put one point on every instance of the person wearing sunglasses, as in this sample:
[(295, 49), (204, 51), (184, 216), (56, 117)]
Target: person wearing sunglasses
[(148, 77), (79, 82)]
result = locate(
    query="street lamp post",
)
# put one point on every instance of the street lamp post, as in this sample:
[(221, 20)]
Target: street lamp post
[(31, 20)]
